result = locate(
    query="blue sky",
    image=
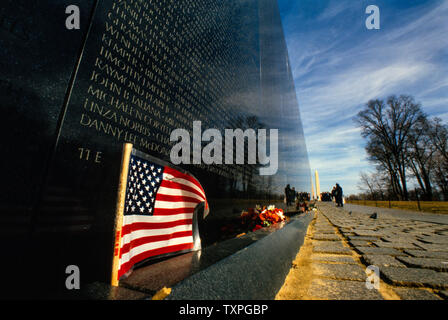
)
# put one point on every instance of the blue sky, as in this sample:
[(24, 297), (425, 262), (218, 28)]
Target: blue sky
[(338, 65)]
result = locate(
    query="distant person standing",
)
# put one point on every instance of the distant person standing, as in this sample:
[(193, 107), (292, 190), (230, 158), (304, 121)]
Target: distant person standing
[(288, 195), (338, 195), (293, 195), (333, 194)]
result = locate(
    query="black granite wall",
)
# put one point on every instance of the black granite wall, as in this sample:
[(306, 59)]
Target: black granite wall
[(133, 72)]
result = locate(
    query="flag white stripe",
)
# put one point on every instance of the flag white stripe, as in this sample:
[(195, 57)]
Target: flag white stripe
[(169, 177), (127, 238), (154, 245), (178, 192), (136, 218), (159, 204)]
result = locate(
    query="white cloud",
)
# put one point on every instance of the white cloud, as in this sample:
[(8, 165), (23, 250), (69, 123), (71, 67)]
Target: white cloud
[(332, 10)]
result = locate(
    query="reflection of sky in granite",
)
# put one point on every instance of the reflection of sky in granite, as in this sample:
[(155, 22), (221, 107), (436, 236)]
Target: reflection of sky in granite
[(268, 91), (293, 167), (281, 112)]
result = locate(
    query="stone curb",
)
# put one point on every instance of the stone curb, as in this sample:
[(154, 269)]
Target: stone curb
[(255, 272)]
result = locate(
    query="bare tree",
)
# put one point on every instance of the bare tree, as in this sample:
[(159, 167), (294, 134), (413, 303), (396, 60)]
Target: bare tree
[(439, 138), (384, 163), (440, 175), (387, 126), (421, 156), (381, 184), (374, 184), (366, 183), (438, 134)]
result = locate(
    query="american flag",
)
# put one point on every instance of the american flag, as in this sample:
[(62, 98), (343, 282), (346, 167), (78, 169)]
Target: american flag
[(158, 212)]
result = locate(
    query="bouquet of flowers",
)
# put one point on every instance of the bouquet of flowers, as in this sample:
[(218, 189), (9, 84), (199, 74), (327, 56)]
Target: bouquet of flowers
[(258, 217)]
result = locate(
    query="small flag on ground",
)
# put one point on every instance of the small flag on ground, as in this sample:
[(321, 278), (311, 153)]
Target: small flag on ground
[(157, 204)]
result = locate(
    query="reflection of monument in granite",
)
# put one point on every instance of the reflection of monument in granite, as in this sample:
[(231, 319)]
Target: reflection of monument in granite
[(134, 72), (316, 174), (313, 196)]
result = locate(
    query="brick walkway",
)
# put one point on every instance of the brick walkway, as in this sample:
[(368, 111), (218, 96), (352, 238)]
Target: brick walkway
[(412, 257)]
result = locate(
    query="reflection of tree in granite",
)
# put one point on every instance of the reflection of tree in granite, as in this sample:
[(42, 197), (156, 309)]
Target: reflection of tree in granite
[(248, 170)]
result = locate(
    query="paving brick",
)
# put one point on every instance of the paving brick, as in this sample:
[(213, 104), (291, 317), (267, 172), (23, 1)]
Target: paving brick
[(382, 261), (321, 221), (385, 251), (397, 245), (415, 294), (324, 231), (433, 247), (360, 243), (340, 271), (400, 238), (335, 248), (328, 243), (428, 263), (362, 228), (333, 258), (322, 224), (368, 233), (415, 277), (427, 254), (342, 290), (330, 237), (342, 225), (435, 239), (366, 238), (326, 226)]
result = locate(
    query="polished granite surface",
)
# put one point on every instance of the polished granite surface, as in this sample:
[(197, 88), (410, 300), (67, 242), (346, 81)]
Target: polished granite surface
[(252, 266)]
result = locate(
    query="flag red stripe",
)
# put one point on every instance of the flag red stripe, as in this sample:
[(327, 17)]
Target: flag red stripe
[(166, 197), (178, 174), (170, 211), (177, 185), (153, 225), (125, 267), (138, 242)]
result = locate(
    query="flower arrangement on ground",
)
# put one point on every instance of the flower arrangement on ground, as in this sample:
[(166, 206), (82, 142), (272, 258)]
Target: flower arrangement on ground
[(259, 217)]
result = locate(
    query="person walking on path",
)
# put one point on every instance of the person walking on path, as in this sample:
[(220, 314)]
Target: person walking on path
[(338, 195)]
